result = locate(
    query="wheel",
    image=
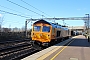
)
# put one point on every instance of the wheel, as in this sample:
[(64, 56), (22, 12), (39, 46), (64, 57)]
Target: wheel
[(62, 39)]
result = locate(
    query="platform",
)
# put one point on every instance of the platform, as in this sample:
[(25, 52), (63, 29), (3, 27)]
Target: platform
[(77, 48)]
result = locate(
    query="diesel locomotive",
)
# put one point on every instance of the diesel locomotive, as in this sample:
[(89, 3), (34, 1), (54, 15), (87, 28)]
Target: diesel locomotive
[(46, 33)]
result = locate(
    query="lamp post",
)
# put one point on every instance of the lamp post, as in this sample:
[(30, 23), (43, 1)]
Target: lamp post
[(88, 33), (85, 28), (88, 20), (63, 23)]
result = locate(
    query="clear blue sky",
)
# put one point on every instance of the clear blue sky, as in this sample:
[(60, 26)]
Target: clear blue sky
[(54, 8)]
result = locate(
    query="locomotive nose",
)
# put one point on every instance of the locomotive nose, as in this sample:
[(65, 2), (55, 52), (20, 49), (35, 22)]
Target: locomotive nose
[(41, 36)]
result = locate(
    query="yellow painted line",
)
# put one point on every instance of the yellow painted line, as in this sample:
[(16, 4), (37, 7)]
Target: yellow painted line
[(60, 51), (48, 53)]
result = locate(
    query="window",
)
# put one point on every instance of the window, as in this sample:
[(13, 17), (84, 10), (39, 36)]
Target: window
[(37, 28), (46, 29), (58, 33)]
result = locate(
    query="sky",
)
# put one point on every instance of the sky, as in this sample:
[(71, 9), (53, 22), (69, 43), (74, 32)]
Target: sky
[(37, 8)]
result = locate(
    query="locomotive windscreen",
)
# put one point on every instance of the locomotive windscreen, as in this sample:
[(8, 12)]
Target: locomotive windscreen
[(37, 28), (46, 29)]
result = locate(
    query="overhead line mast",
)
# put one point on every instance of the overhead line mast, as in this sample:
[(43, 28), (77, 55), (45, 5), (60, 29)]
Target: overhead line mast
[(70, 18)]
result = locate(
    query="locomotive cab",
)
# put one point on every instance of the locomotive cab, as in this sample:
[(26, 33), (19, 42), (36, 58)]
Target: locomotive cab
[(41, 33)]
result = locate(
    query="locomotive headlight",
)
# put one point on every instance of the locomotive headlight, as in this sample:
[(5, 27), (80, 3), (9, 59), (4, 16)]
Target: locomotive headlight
[(48, 36)]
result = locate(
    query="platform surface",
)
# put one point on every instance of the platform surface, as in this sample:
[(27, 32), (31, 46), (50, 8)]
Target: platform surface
[(78, 49)]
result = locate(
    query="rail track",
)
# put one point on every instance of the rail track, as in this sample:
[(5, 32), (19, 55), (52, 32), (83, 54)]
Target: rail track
[(15, 49), (9, 44)]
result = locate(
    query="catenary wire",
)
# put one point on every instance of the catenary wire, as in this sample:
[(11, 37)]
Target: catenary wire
[(34, 7), (13, 10), (14, 14), (24, 8)]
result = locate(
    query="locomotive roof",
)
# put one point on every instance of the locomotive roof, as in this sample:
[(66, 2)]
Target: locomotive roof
[(42, 21), (53, 24)]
